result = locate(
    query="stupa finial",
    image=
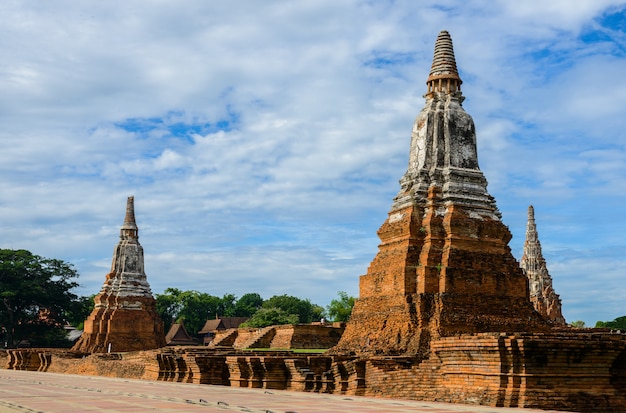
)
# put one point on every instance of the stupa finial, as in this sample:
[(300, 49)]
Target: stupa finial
[(444, 76), (129, 228), (531, 227)]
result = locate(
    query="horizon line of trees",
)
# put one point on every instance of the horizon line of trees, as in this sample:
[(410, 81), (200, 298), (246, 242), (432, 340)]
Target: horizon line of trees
[(619, 323), (37, 301), (194, 308)]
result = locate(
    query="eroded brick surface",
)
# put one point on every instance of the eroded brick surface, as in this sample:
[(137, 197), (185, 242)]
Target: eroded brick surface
[(564, 370)]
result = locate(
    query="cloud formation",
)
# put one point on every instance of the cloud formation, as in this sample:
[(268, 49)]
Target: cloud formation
[(263, 141)]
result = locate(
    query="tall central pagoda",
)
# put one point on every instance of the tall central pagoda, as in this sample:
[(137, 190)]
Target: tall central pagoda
[(444, 266)]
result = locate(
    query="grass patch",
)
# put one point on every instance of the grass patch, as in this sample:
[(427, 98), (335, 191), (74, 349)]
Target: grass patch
[(292, 350)]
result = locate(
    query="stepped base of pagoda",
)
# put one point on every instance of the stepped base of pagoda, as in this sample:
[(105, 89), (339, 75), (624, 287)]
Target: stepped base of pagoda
[(121, 330), (441, 270)]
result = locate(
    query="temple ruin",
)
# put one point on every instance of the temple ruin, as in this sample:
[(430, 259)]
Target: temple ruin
[(124, 317), (444, 266), (445, 312), (545, 300)]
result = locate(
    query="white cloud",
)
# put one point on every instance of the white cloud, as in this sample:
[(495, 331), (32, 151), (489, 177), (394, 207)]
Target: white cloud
[(580, 279)]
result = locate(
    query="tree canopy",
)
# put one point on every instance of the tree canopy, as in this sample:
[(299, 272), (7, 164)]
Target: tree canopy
[(340, 309), (305, 311), (285, 309), (193, 307), (619, 323), (36, 298), (270, 317), (248, 304)]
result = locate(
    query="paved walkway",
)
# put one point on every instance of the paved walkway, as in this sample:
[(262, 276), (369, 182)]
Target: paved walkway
[(26, 391)]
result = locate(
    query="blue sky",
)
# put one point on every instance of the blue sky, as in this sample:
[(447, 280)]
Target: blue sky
[(264, 141)]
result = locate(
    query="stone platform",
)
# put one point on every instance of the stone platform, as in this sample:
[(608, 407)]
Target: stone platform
[(582, 371), (24, 391)]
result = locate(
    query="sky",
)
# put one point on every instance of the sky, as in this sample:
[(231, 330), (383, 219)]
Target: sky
[(264, 141)]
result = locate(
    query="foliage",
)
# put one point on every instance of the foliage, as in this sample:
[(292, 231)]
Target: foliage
[(248, 304), (168, 306), (193, 307), (618, 323), (317, 312), (270, 317), (82, 307), (36, 298), (226, 308), (340, 309), (305, 311), (578, 324)]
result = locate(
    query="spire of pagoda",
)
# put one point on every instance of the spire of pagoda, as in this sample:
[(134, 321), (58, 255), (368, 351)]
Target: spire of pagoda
[(542, 294), (443, 149), (444, 76), (129, 228), (532, 258)]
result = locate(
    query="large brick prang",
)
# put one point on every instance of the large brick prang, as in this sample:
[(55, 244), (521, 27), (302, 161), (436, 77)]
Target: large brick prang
[(443, 266)]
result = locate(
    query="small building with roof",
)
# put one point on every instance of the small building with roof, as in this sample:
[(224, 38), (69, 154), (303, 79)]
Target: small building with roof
[(211, 327), (178, 336)]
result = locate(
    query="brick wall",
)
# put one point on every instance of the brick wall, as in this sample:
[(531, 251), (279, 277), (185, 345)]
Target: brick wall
[(563, 370)]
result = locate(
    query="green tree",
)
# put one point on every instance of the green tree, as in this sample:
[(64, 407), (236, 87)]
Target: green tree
[(193, 307), (618, 323), (168, 306), (317, 312), (248, 304), (340, 309), (270, 317), (227, 306), (578, 324), (80, 310), (294, 305), (197, 308), (36, 297)]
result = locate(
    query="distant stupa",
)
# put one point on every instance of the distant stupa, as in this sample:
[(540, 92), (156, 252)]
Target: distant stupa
[(124, 317), (542, 294), (444, 266)]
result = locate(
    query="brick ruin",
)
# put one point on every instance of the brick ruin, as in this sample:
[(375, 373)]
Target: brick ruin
[(545, 300), (444, 266), (124, 317), (444, 312), (581, 371), (283, 337)]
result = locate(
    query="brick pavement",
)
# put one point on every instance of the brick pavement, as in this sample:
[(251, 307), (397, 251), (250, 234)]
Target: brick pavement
[(25, 391)]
